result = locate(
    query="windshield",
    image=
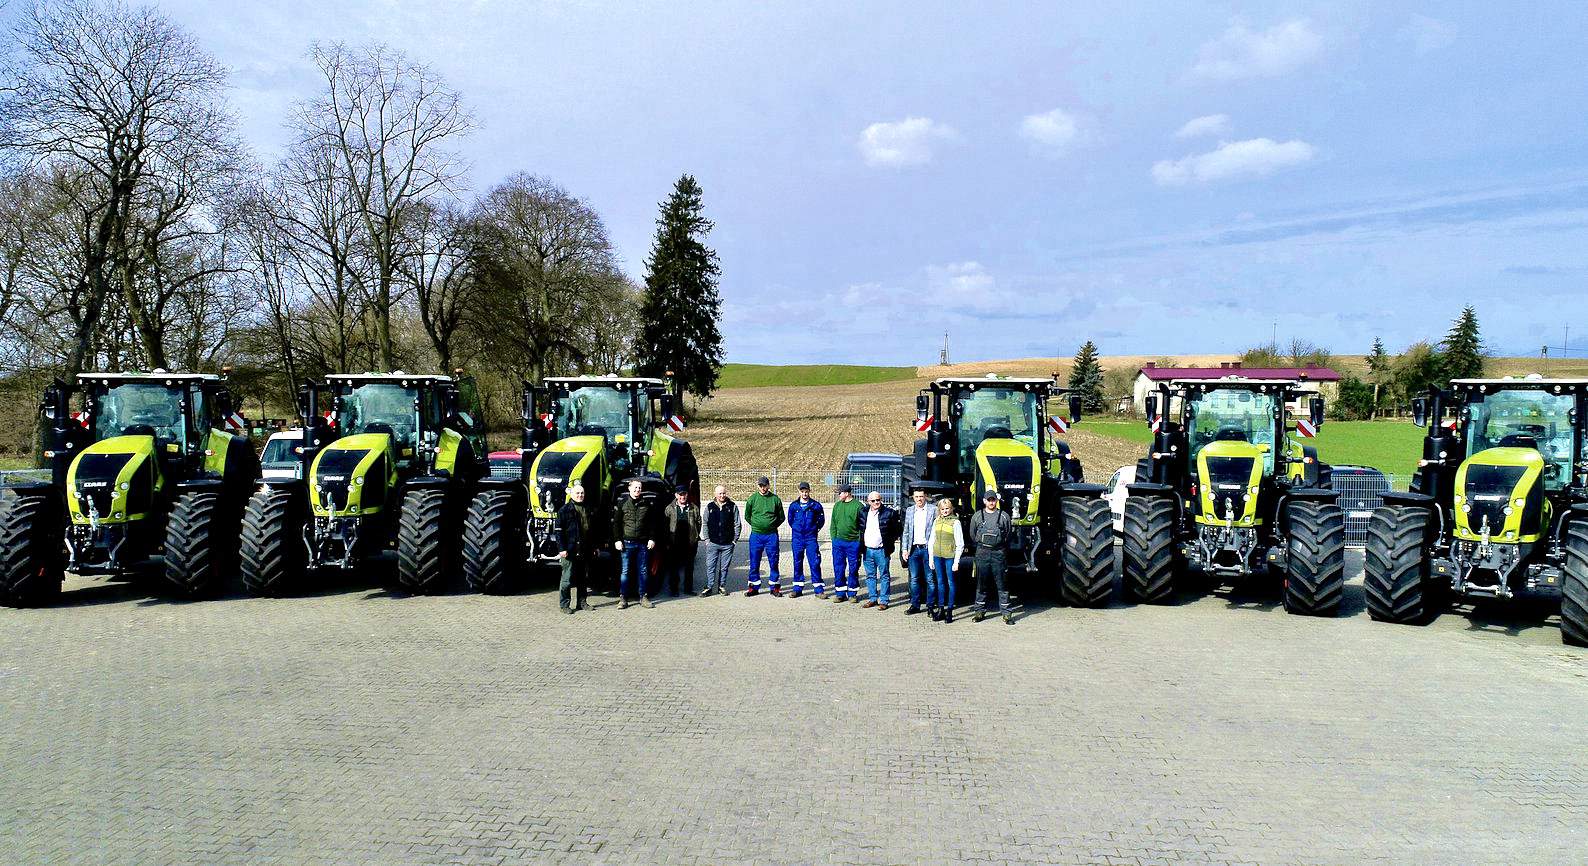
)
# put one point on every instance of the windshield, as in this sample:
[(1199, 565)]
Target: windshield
[(594, 411), (1526, 419), (140, 404), (278, 451), (994, 413), (381, 407), (1232, 414)]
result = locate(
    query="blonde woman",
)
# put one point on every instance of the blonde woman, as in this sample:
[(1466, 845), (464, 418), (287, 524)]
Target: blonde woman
[(948, 542)]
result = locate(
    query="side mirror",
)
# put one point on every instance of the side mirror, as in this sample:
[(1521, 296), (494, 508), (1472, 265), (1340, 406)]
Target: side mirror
[(923, 407), (1152, 407), (53, 406), (305, 403), (1420, 411), (1317, 411), (225, 403), (665, 404), (1075, 408)]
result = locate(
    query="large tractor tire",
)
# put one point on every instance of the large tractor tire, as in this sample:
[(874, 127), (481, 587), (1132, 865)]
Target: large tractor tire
[(1315, 558), (1144, 470), (198, 552), (1574, 586), (1088, 552), (1395, 579), (494, 542), (424, 542), (1150, 564), (32, 550), (270, 553)]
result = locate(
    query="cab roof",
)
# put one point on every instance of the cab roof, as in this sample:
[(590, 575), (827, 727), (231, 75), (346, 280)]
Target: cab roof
[(1533, 381), (395, 376), (151, 376), (1236, 382), (610, 379), (992, 379)]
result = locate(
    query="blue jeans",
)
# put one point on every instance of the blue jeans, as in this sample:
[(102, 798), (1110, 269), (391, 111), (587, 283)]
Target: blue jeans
[(877, 578), (942, 593), (846, 568), (763, 544), (920, 563), (806, 550), (637, 562)]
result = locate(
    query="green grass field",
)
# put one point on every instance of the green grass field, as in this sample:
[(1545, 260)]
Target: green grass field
[(1392, 447), (765, 375)]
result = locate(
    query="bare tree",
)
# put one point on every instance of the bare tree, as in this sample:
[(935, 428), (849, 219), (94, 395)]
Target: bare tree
[(388, 121), (439, 241), (125, 112)]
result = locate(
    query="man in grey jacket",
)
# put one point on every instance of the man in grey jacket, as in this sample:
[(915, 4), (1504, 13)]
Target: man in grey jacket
[(719, 529), (990, 530)]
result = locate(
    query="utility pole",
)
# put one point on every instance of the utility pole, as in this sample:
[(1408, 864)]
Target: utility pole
[(942, 356)]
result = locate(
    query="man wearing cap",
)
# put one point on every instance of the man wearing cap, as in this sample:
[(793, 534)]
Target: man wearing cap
[(764, 512), (989, 533), (878, 532), (915, 554), (806, 518), (719, 528), (845, 534), (682, 521)]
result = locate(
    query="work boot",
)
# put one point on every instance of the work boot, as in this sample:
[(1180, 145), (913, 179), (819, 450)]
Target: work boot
[(645, 601), (796, 593), (705, 592), (948, 615), (934, 613), (751, 591), (882, 606), (584, 603), (912, 610), (838, 599), (776, 591), (980, 615), (870, 603), (1009, 617)]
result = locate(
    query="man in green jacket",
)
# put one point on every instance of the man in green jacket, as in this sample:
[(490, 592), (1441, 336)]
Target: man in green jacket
[(764, 512), (845, 530)]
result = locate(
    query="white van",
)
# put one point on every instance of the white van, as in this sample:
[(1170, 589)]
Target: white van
[(281, 458)]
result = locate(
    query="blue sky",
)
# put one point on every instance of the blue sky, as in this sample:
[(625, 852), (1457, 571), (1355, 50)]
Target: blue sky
[(1162, 178)]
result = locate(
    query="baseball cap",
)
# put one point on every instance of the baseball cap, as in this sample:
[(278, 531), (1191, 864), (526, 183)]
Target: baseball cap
[(805, 485), (682, 488), (845, 488), (763, 481), (991, 494)]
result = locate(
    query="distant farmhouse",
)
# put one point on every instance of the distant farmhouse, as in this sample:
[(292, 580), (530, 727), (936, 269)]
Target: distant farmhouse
[(1320, 379)]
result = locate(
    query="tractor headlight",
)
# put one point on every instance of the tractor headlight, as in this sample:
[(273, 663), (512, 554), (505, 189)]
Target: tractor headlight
[(124, 485), (1252, 491), (358, 479), (352, 509), (1507, 511), (1519, 502), (116, 515), (1466, 506)]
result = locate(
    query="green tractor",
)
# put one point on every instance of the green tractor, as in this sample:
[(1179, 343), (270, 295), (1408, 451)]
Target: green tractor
[(600, 431), (390, 466), (149, 478), (998, 433), (1498, 507), (1227, 490)]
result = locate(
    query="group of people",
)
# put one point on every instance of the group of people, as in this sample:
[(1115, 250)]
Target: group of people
[(929, 538)]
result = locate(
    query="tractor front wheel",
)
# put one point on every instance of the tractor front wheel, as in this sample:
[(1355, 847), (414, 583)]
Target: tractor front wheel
[(1088, 552), (32, 549), (1150, 560), (196, 554), (423, 541), (493, 542), (1395, 578), (1315, 558), (1574, 586), (271, 553)]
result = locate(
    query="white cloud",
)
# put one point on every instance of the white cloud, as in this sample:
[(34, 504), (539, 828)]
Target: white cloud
[(1207, 124), (1255, 157), (1428, 34), (903, 142), (1246, 53), (1053, 132), (960, 281)]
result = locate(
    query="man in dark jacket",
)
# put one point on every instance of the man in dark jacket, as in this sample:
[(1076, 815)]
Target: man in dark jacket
[(634, 532), (990, 532), (682, 521), (719, 528), (879, 531), (578, 536)]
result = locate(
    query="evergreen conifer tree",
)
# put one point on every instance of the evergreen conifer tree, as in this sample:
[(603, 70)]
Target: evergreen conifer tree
[(1462, 349), (681, 309), (1086, 378)]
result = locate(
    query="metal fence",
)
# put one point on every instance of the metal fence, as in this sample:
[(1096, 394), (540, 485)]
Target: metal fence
[(824, 482), (1359, 495)]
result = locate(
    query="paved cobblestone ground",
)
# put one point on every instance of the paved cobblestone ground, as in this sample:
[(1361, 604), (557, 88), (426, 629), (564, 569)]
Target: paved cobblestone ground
[(357, 726)]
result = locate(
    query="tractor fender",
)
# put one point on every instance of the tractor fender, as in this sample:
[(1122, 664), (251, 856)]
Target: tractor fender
[(499, 482), (200, 483), (1148, 488), (1079, 490), (282, 483), (430, 482), (1402, 497), (1315, 494)]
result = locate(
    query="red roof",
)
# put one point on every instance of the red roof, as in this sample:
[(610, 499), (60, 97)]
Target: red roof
[(1314, 374)]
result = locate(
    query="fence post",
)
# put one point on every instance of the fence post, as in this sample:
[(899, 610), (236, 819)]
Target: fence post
[(774, 479)]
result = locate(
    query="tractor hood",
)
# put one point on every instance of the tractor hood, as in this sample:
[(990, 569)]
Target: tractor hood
[(114, 480), (1010, 467), (1500, 496), (353, 476), (576, 458), (1229, 474)]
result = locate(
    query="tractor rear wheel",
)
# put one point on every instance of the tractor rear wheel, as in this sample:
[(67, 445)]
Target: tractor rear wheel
[(423, 541), (271, 554), (1574, 586), (196, 550), (1315, 558), (493, 542), (1088, 552), (32, 549), (1144, 470), (1150, 560), (1395, 579)]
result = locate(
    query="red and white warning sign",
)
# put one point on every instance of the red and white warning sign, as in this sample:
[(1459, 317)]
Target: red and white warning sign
[(235, 422), (1157, 423), (1058, 425), (924, 424), (1305, 428), (546, 420), (675, 423), (80, 418)]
